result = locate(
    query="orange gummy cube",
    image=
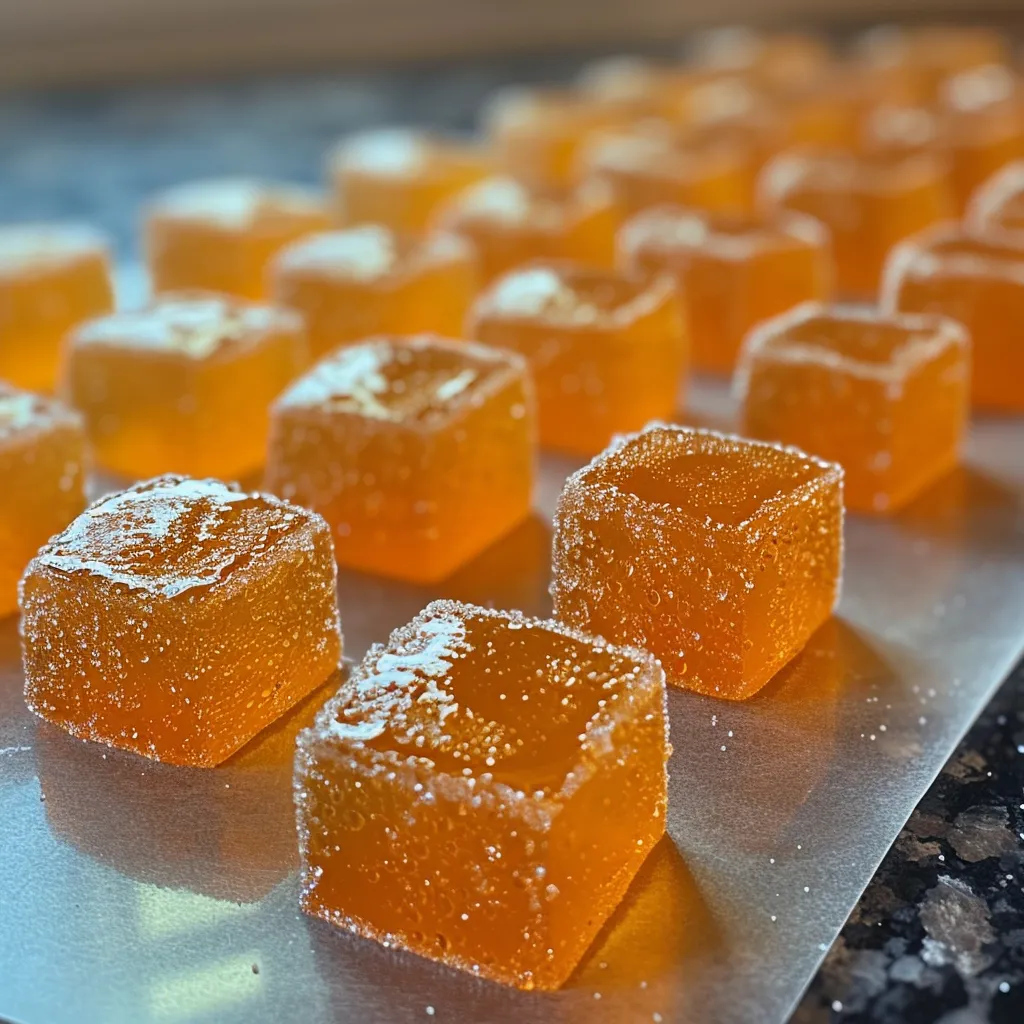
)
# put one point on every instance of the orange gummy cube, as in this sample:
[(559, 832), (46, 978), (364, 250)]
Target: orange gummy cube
[(418, 451), (507, 224), (868, 203), (607, 352), (778, 60), (482, 791), (398, 177), (883, 395), (183, 385), (719, 555), (219, 235), (178, 618), (352, 284), (979, 282), (733, 271), (52, 276), (999, 202), (42, 466)]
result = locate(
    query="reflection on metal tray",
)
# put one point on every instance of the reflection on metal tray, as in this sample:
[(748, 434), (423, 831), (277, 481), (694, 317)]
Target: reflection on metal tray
[(136, 892)]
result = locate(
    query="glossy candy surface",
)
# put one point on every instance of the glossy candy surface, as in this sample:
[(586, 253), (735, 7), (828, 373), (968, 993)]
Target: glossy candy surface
[(885, 396), (418, 451), (178, 618), (183, 385), (720, 556), (607, 352), (482, 790)]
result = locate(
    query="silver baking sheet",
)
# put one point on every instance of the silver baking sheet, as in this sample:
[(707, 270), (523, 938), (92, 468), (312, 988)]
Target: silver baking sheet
[(133, 892)]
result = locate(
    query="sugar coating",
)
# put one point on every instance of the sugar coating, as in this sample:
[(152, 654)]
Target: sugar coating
[(42, 465), (999, 202), (238, 204), (607, 351), (184, 384), (718, 554), (178, 618), (978, 281), (419, 451), (733, 271), (454, 797), (884, 395), (38, 247)]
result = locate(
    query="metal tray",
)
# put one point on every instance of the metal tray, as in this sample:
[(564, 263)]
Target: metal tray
[(134, 892)]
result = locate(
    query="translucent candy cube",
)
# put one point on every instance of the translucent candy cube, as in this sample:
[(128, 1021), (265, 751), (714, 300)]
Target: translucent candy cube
[(733, 271), (884, 395), (719, 555), (352, 284), (418, 451), (178, 618), (220, 234), (183, 385), (398, 177), (607, 352), (508, 224), (979, 282), (482, 791), (999, 202), (778, 60), (52, 276), (42, 466), (868, 203)]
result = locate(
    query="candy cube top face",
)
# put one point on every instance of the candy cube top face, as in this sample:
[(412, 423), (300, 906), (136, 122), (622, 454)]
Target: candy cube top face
[(509, 224), (482, 790), (178, 618), (734, 272), (607, 351), (220, 234), (352, 284), (999, 202), (867, 202), (419, 451), (183, 385), (885, 396), (719, 555), (977, 281), (52, 276), (397, 178), (42, 465)]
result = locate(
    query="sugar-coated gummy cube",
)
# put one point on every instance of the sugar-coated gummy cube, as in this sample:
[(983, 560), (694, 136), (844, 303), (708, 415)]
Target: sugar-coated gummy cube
[(398, 177), (775, 60), (999, 202), (607, 352), (884, 395), (508, 224), (178, 618), (220, 234), (482, 790), (362, 281), (418, 451), (183, 385), (733, 271), (42, 469), (52, 276), (978, 281), (868, 202), (719, 555)]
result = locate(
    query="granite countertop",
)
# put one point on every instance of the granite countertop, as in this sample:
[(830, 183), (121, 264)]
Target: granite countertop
[(939, 934)]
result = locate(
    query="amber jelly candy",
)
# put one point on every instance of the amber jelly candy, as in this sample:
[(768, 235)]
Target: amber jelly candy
[(607, 352), (42, 466), (418, 451), (482, 791), (220, 234), (719, 555), (733, 271), (178, 618), (183, 385), (978, 281), (999, 202), (885, 396)]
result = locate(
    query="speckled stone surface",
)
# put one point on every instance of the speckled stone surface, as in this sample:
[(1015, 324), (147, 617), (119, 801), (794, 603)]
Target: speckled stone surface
[(939, 934)]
